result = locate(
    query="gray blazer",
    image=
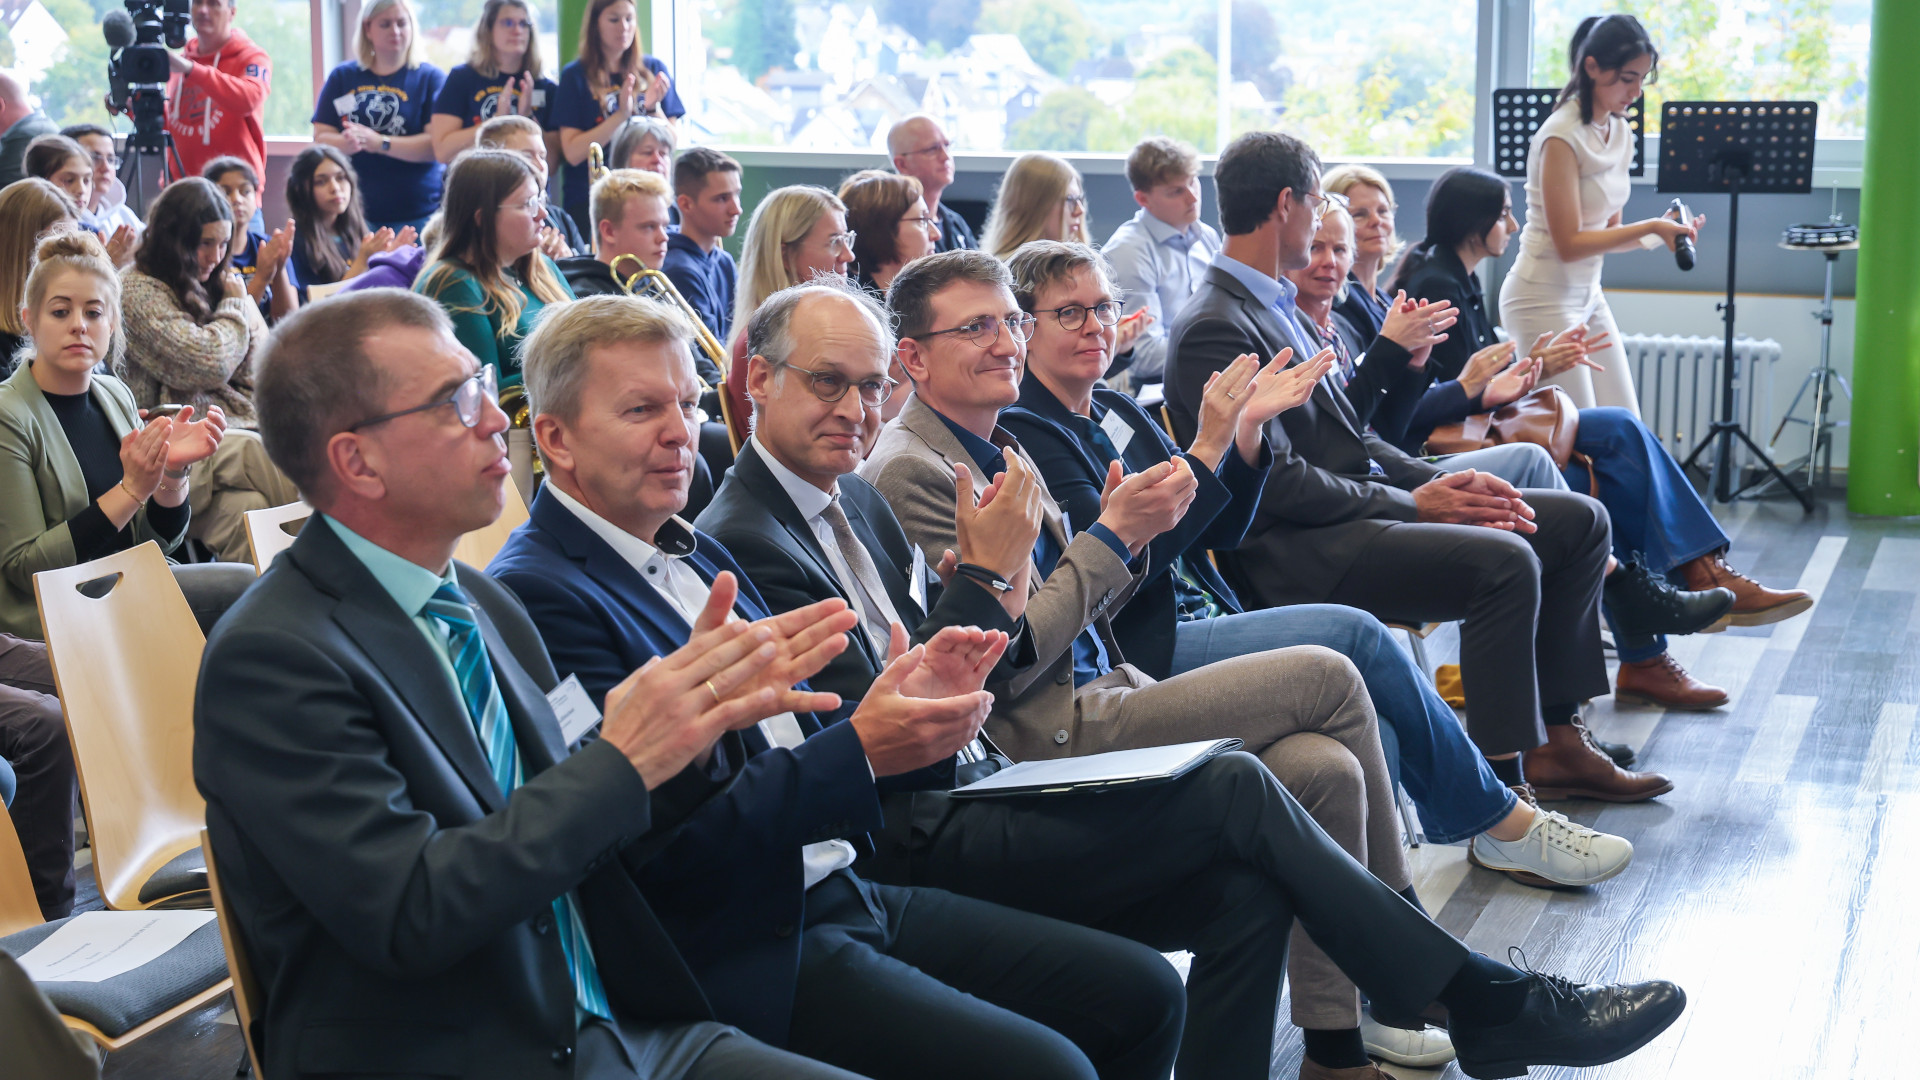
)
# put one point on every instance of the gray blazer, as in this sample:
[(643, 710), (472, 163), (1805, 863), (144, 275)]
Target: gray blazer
[(1034, 715), (1320, 505), (41, 489)]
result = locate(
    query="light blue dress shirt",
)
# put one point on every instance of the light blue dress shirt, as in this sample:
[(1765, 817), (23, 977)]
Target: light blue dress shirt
[(410, 584), (1157, 267)]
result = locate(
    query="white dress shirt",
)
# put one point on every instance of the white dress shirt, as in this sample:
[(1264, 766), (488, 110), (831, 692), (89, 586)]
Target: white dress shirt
[(677, 582), (1158, 267), (877, 613)]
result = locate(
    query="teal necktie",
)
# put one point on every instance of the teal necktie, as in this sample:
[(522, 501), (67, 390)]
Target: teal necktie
[(474, 672)]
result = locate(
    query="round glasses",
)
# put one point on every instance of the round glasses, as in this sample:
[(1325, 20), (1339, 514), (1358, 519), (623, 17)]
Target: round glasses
[(467, 400), (1324, 203), (985, 330), (831, 386), (1074, 316)]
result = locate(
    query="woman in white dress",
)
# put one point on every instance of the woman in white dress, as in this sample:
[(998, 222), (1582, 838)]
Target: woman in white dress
[(1577, 185)]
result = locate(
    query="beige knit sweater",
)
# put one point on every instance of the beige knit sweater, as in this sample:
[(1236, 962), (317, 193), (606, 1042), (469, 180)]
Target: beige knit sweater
[(172, 359)]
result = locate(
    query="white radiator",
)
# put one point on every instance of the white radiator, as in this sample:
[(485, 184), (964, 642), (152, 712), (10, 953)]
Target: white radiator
[(1678, 381)]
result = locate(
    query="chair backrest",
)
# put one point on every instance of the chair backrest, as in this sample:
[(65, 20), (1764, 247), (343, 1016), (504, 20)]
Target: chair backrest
[(735, 425), (478, 547), (316, 293), (125, 650), (267, 531), (19, 908), (247, 1001)]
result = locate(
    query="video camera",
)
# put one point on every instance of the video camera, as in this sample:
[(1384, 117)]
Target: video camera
[(138, 71)]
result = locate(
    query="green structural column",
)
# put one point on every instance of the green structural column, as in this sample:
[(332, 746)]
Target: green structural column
[(1883, 458), (569, 14)]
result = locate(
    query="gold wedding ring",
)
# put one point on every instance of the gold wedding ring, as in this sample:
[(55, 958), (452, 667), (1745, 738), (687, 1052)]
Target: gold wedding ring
[(715, 693)]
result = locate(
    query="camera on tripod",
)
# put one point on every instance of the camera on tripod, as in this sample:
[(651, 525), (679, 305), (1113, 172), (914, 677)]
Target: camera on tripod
[(138, 71)]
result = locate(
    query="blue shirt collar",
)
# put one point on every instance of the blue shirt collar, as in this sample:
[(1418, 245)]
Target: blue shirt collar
[(1276, 293), (984, 453), (1163, 232), (410, 584)]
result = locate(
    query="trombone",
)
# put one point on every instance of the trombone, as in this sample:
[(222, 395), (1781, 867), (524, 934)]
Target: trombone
[(650, 284)]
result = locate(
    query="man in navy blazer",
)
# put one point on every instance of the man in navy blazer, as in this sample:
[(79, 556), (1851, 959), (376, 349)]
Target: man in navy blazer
[(876, 979), (426, 880)]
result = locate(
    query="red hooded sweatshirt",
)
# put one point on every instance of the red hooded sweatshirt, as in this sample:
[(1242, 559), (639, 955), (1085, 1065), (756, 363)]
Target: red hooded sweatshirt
[(219, 107)]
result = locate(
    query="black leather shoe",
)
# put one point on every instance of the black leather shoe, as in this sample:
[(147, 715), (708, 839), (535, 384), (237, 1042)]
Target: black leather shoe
[(1642, 603), (1568, 1023), (1622, 754)]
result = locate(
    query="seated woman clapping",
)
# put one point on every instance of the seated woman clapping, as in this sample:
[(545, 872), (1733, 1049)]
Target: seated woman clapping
[(82, 475), (192, 333)]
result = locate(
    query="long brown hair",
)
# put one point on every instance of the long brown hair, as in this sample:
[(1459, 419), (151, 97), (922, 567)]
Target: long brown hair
[(604, 72), (482, 59), (169, 249), (322, 242), (28, 208), (476, 185)]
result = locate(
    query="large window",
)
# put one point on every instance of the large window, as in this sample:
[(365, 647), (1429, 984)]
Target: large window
[(1715, 50), (1082, 74)]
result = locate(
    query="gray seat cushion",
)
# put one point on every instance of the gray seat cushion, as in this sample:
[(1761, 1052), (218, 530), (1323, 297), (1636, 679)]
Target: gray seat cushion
[(124, 1002), (182, 882)]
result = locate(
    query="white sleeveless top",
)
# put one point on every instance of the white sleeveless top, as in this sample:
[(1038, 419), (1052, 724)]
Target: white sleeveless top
[(1604, 186)]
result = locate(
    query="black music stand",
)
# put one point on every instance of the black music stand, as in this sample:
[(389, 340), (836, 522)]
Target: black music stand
[(1517, 114), (1733, 146)]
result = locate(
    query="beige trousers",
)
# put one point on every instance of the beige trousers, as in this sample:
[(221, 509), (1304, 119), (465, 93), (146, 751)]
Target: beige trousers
[(1304, 711), (238, 477), (1529, 309)]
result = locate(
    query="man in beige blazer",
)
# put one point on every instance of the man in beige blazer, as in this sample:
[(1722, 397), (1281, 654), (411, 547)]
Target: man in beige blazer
[(1304, 711)]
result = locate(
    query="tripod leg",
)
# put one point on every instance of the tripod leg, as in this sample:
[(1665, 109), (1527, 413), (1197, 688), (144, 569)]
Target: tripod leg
[(1804, 498)]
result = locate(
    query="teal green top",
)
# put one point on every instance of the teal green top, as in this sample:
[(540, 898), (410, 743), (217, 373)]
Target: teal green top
[(410, 584), (476, 322)]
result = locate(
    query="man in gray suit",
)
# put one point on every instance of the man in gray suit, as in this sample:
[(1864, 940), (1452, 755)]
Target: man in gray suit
[(1347, 519)]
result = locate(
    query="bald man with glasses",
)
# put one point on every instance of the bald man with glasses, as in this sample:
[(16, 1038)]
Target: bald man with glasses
[(920, 149)]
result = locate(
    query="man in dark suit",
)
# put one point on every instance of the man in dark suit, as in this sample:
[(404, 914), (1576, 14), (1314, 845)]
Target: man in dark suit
[(425, 879), (880, 980), (920, 149), (1348, 519), (1127, 861)]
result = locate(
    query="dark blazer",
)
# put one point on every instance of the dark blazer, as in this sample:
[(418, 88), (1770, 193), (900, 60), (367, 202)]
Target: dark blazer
[(1435, 396), (1320, 504), (396, 907), (730, 886), (1076, 472), (763, 531)]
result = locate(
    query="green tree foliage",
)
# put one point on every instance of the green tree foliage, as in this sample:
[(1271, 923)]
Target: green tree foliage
[(1407, 100), (762, 35), (1175, 96), (1062, 122), (1054, 32), (6, 47)]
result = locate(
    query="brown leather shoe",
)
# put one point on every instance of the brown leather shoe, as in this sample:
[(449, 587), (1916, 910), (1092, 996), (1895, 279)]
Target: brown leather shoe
[(1312, 1070), (1662, 681), (1569, 766), (1753, 603)]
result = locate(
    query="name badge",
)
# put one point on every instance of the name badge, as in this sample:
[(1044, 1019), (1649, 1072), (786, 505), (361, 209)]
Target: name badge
[(1118, 431), (539, 97), (917, 578), (574, 708), (345, 104)]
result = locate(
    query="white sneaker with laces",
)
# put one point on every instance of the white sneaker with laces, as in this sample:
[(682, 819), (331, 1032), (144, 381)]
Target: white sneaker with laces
[(1554, 852), (1427, 1049)]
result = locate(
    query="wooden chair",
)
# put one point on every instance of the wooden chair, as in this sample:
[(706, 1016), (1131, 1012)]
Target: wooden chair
[(478, 547), (272, 531), (247, 1001), (734, 427), (125, 650), (126, 1008)]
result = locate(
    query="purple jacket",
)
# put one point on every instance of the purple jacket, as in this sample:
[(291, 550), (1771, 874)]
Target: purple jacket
[(391, 269)]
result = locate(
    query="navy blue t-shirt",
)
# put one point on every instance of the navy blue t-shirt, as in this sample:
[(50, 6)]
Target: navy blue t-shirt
[(578, 108), (393, 105), (246, 263), (474, 97)]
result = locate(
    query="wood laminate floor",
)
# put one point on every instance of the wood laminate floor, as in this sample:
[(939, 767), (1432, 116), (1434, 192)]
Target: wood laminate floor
[(1772, 883)]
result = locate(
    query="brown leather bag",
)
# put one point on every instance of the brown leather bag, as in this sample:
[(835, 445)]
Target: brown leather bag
[(1545, 417)]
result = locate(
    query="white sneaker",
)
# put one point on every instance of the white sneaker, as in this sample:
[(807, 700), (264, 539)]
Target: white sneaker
[(1428, 1049), (1555, 851)]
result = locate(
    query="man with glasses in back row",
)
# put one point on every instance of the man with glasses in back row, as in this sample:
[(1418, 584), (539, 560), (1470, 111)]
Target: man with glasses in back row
[(920, 149)]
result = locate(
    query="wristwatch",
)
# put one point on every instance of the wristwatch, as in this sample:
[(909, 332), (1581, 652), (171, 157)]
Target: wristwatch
[(386, 145)]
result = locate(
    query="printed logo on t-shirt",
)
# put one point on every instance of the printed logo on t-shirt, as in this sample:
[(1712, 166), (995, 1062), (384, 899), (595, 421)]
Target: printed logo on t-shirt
[(378, 107), (488, 100), (195, 115)]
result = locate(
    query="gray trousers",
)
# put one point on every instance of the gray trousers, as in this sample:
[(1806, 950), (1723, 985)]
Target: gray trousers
[(1305, 713)]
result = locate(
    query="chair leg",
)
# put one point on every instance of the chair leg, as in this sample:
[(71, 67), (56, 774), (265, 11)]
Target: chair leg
[(1419, 646), (1415, 837)]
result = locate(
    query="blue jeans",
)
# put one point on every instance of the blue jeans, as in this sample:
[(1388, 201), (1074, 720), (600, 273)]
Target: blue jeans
[(1656, 513), (1445, 775)]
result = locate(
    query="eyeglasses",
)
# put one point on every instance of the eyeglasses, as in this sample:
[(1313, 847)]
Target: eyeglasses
[(529, 206), (111, 161), (1078, 202), (1074, 316), (1323, 203), (831, 386), (512, 23), (466, 400), (985, 330), (923, 220), (940, 148), (843, 241)]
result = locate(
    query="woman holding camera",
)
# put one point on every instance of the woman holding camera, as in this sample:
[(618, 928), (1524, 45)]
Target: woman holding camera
[(1577, 187)]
